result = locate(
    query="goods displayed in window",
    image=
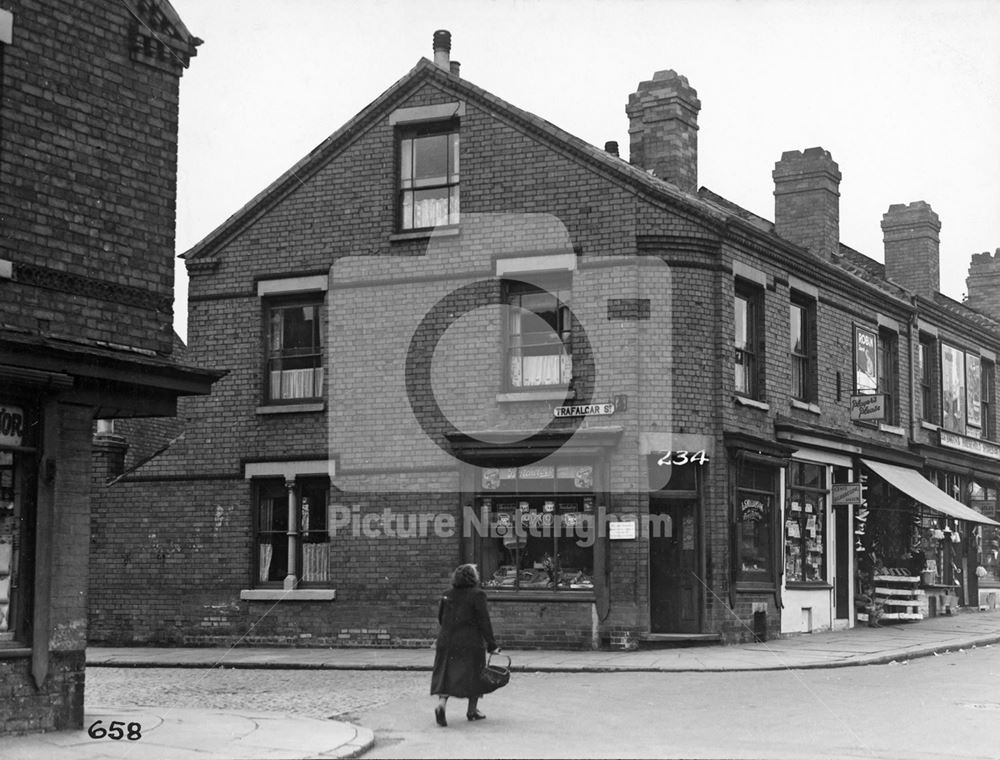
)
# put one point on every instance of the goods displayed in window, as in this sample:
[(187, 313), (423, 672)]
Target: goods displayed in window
[(535, 517), (754, 509), (805, 524)]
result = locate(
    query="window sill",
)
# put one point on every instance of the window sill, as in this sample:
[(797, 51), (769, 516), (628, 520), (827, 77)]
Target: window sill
[(753, 586), (13, 649), (316, 406), (442, 231), (582, 595), (892, 430), (296, 595), (808, 586), (929, 425), (539, 395), (806, 406), (752, 402)]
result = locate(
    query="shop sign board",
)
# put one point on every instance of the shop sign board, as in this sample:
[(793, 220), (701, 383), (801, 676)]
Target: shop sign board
[(970, 445), (620, 530), (583, 410), (11, 425), (846, 493), (869, 406)]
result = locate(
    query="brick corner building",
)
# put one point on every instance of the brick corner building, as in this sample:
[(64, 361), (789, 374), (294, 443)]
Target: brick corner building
[(88, 143), (455, 332)]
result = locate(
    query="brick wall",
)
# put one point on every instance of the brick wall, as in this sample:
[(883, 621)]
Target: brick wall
[(57, 706), (88, 156)]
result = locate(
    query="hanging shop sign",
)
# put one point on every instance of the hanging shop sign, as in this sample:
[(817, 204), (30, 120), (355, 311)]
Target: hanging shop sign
[(11, 425), (870, 406), (584, 410), (846, 493), (970, 445)]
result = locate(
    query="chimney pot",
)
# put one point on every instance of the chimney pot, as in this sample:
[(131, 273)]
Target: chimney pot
[(455, 67), (912, 243), (611, 146), (807, 200), (663, 129), (442, 49)]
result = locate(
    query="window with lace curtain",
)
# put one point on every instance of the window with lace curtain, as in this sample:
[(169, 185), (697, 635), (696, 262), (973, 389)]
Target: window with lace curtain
[(291, 535), (428, 176), (539, 330), (294, 350)]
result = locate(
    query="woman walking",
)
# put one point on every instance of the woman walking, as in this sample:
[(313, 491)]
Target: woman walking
[(465, 631)]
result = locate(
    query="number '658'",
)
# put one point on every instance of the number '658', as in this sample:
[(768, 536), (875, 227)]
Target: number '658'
[(116, 730)]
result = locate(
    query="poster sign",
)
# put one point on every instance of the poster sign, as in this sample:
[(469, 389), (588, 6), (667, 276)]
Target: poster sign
[(620, 530), (751, 510), (846, 493), (11, 425), (868, 407), (865, 361)]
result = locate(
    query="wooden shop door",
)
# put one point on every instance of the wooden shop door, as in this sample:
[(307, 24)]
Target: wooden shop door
[(674, 590)]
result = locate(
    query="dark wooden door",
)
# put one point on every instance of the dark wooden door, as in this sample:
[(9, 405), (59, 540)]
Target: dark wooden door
[(842, 569), (674, 589)]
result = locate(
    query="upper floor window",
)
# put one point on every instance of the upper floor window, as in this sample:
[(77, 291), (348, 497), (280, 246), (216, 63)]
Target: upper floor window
[(748, 308), (428, 176), (927, 359), (888, 374), (802, 343), (294, 349), (988, 404), (539, 331)]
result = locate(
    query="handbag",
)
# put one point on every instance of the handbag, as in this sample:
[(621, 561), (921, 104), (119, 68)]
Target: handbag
[(494, 676)]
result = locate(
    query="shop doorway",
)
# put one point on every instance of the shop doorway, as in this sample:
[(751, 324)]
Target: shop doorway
[(674, 590), (842, 558)]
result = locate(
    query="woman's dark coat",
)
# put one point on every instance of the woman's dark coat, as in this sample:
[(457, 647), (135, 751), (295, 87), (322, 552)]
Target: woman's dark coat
[(465, 631)]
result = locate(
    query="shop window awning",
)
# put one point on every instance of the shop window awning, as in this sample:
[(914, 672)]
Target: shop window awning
[(915, 485)]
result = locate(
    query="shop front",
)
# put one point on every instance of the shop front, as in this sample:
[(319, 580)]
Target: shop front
[(923, 546)]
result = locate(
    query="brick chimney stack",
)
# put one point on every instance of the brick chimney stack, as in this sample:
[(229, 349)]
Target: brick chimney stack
[(663, 129), (912, 247), (807, 200), (983, 283)]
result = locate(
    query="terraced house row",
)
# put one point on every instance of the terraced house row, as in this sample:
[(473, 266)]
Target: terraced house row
[(454, 332)]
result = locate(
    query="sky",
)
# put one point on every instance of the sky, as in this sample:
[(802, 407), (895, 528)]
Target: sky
[(905, 94)]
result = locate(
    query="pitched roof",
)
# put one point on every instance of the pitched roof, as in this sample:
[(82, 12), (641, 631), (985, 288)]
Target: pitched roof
[(424, 71)]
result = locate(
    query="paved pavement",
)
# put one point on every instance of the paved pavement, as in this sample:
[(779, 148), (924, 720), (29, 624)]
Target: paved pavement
[(187, 734)]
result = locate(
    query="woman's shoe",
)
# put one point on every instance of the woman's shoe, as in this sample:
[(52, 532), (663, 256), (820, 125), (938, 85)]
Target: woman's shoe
[(439, 716), (475, 716)]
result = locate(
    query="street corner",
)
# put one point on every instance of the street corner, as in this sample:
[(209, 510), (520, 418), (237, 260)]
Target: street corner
[(148, 733)]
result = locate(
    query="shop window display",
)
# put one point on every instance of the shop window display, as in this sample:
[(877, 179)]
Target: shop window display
[(754, 521), (540, 527), (984, 499), (805, 524)]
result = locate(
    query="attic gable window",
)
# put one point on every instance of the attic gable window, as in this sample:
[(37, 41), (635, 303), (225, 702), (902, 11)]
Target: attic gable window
[(428, 175)]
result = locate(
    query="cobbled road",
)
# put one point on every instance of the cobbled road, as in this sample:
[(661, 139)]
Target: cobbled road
[(312, 693)]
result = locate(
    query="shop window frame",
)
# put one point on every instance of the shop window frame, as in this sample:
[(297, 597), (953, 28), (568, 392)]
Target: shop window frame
[(822, 513), (766, 578)]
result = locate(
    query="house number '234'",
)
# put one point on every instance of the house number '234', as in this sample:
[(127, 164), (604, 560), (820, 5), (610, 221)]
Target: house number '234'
[(678, 458)]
